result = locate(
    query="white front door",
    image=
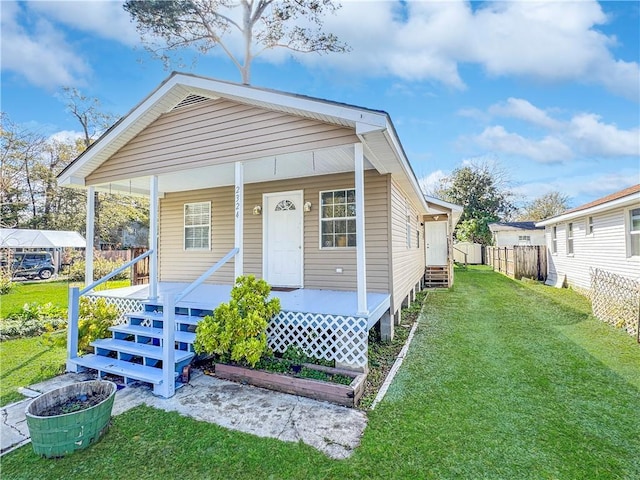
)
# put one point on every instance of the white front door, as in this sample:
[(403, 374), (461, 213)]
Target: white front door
[(282, 247), (436, 243)]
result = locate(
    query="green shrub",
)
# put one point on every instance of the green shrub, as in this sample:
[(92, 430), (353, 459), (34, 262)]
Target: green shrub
[(95, 319), (5, 281), (238, 329), (101, 267), (33, 319)]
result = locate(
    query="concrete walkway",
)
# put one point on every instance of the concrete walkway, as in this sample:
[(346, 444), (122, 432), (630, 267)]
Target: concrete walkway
[(332, 429)]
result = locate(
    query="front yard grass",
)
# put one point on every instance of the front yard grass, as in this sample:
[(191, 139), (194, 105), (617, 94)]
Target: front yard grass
[(43, 292), (504, 380), (25, 361)]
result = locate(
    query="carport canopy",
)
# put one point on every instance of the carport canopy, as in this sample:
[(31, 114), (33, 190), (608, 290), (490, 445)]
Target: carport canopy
[(25, 238)]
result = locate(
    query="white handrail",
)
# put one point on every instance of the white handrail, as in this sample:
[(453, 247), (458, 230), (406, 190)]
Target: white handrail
[(115, 272), (206, 274)]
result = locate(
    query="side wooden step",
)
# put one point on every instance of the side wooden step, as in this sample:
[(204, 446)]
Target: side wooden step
[(140, 331), (139, 349), (121, 368)]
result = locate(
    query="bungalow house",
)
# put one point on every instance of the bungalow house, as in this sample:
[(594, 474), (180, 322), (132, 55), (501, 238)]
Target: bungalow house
[(508, 234), (602, 234), (316, 197)]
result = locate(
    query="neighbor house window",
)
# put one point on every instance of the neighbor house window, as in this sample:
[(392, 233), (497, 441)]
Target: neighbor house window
[(590, 226), (338, 218), (524, 239), (197, 226), (634, 232), (569, 238), (554, 240)]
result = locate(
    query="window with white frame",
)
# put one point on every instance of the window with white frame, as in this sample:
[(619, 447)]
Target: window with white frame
[(197, 226), (589, 225), (338, 218), (554, 240), (634, 232), (569, 238), (524, 239)]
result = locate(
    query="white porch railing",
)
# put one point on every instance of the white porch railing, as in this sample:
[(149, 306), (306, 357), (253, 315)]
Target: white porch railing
[(168, 387), (74, 307)]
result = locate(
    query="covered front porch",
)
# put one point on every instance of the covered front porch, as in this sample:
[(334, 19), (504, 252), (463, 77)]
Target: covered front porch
[(325, 323)]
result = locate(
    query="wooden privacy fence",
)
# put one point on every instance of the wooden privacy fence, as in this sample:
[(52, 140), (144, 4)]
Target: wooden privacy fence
[(616, 300), (519, 261), (139, 271)]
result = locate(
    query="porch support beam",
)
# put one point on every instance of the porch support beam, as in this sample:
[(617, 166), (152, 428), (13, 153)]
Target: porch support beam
[(153, 237), (90, 233), (361, 260), (239, 219)]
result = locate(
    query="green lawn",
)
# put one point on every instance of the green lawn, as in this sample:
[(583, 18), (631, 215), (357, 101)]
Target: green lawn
[(26, 361), (42, 292), (504, 380)]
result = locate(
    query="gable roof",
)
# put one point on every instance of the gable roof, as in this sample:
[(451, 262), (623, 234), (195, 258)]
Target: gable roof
[(513, 226), (624, 197), (437, 205), (374, 128)]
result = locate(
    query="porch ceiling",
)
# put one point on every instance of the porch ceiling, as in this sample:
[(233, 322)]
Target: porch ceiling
[(279, 167)]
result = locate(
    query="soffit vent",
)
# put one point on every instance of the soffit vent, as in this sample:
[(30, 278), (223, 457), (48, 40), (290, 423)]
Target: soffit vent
[(190, 101)]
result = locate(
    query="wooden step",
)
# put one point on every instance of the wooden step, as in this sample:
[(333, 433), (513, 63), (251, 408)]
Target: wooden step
[(138, 330), (121, 368), (139, 349), (155, 316)]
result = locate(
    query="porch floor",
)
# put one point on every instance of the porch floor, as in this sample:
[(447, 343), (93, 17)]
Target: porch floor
[(209, 296)]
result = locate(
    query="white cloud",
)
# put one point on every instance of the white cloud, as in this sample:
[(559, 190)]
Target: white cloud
[(592, 186), (106, 19), (547, 150), (549, 41), (585, 134), (523, 110), (66, 136), (431, 181), (42, 55), (594, 137)]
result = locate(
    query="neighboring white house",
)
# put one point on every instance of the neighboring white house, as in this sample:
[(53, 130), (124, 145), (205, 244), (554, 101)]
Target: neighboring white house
[(508, 234), (601, 234)]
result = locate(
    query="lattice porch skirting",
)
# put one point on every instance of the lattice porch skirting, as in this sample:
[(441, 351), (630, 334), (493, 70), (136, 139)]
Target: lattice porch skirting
[(330, 337), (124, 305), (343, 339)]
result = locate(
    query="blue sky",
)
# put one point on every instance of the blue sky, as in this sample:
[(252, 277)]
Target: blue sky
[(550, 91)]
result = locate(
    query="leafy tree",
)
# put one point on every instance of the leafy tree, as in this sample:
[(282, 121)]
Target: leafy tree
[(482, 190), (547, 205), (166, 25)]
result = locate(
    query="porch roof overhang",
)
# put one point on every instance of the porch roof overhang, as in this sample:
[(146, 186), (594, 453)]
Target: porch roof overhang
[(382, 149), (437, 206)]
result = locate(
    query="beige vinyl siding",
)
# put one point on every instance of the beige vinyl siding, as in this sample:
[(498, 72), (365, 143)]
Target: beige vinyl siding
[(178, 265), (216, 132), (606, 249), (319, 264), (408, 263)]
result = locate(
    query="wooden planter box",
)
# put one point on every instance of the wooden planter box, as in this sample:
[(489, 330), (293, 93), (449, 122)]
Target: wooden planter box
[(347, 395)]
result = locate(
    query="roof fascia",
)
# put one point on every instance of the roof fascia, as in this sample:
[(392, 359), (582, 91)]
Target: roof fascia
[(619, 202)]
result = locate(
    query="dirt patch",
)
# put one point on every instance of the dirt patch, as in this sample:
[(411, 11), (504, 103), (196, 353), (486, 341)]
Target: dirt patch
[(74, 404)]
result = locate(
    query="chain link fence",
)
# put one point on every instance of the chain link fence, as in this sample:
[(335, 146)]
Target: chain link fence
[(616, 300)]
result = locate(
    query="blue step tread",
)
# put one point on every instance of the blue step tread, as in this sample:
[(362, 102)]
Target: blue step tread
[(139, 349), (183, 337), (121, 368), (184, 319)]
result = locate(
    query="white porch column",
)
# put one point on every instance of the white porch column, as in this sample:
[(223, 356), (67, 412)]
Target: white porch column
[(239, 219), (153, 237), (361, 259), (90, 232)]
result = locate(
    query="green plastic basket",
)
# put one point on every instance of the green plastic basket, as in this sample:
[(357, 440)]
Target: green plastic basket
[(58, 435)]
